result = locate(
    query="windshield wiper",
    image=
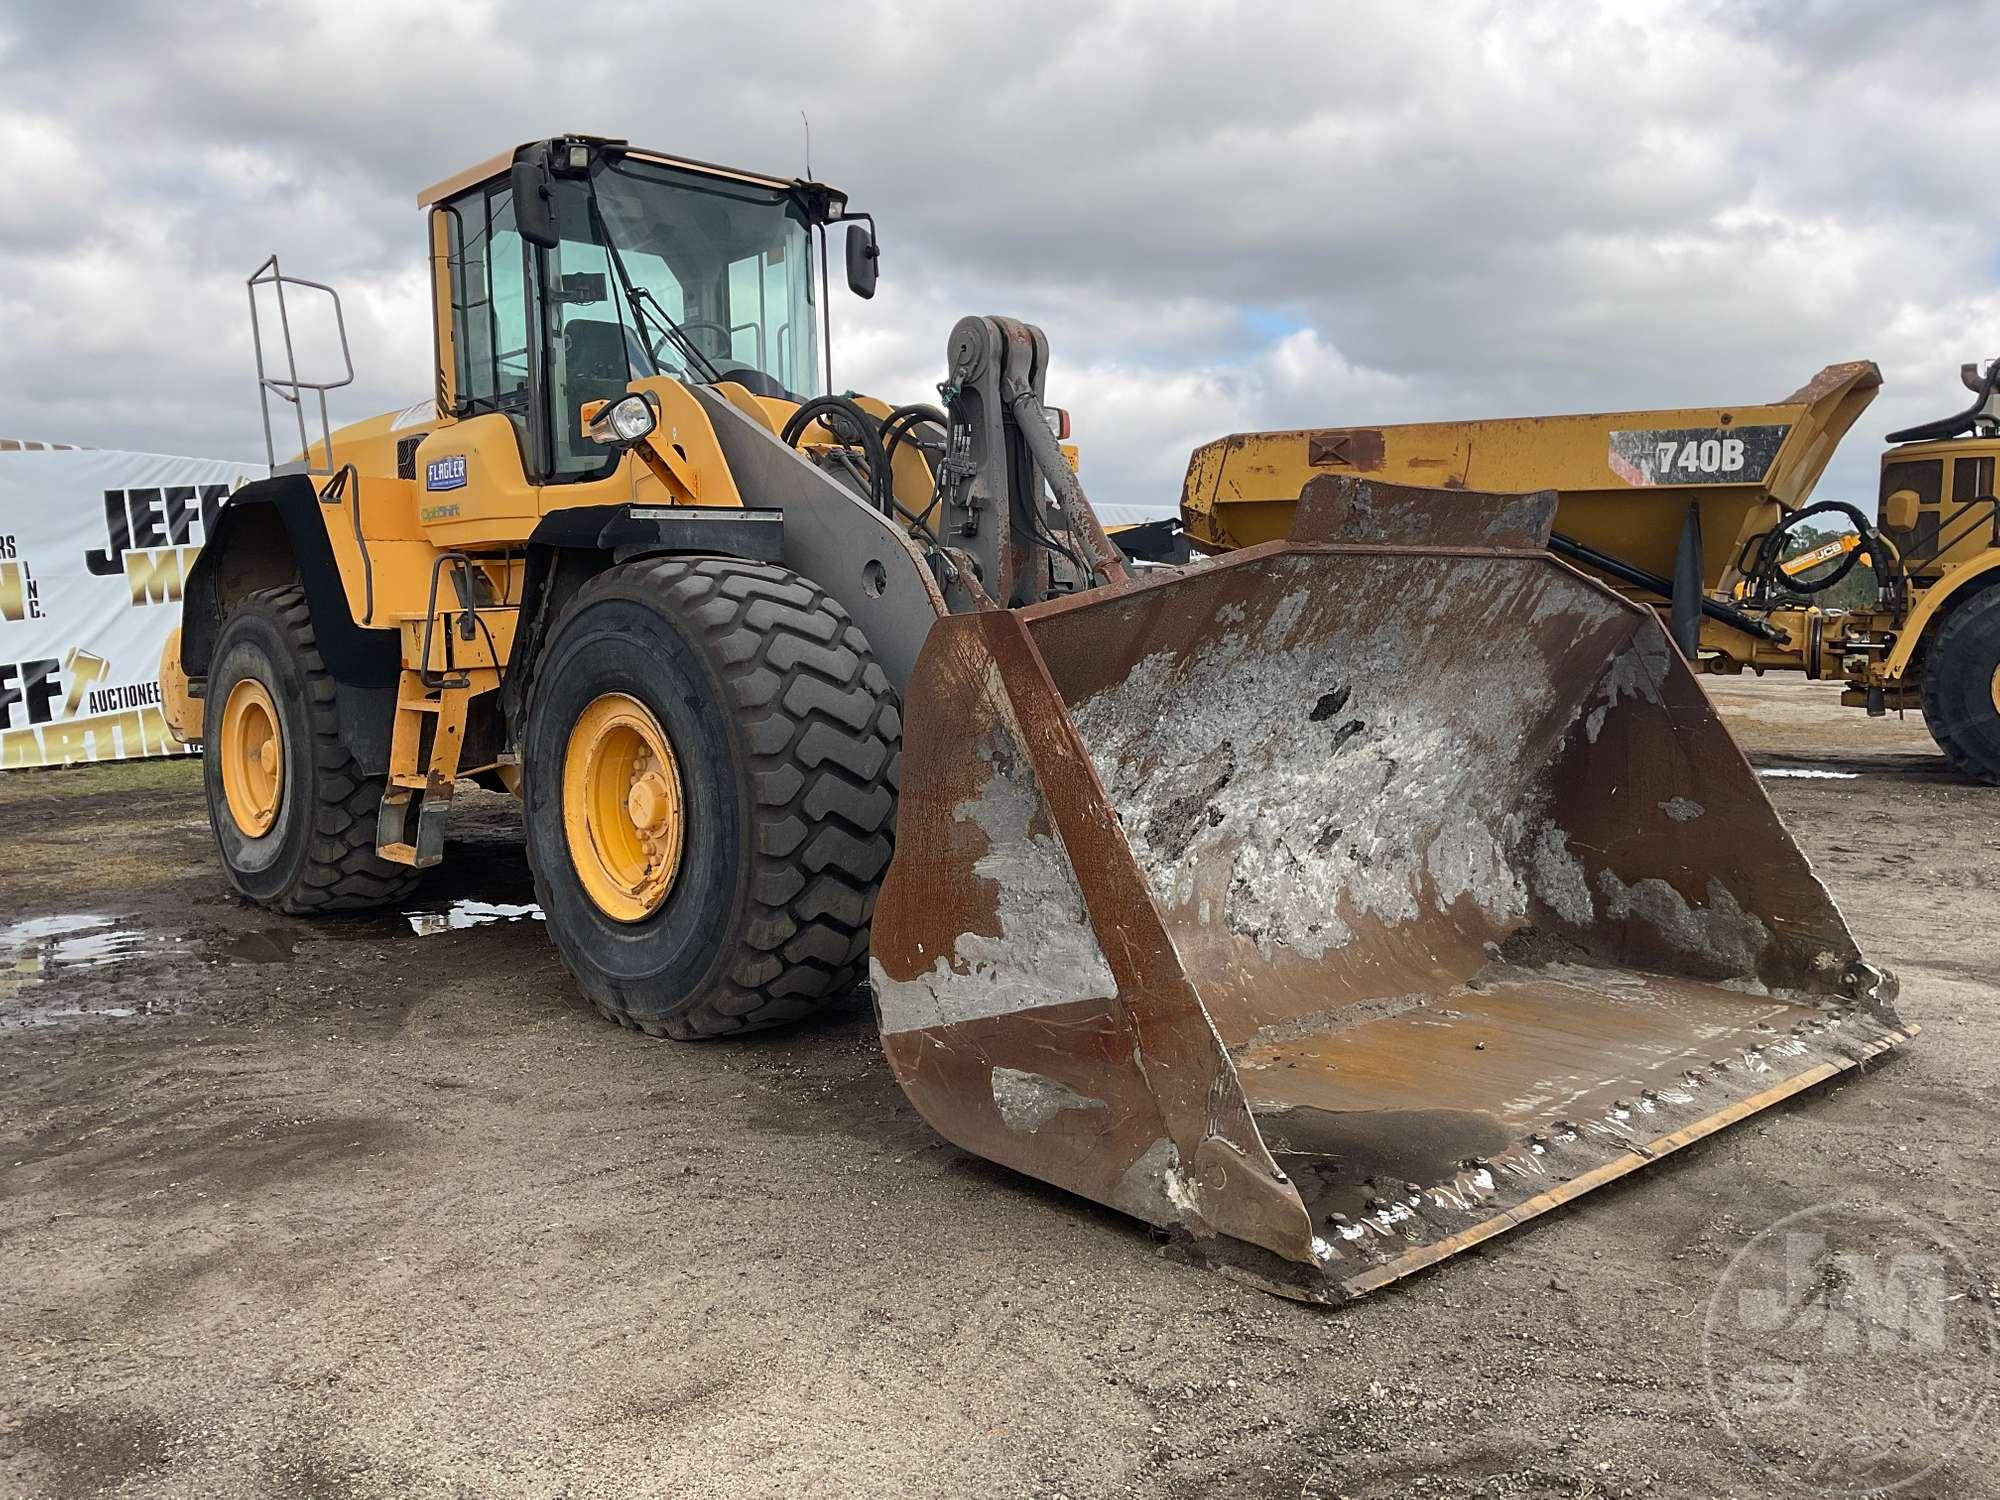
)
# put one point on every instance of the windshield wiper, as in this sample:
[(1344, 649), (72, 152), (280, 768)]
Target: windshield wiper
[(683, 340), (663, 321)]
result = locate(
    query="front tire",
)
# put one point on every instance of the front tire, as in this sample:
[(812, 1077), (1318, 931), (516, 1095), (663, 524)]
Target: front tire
[(759, 741), (1960, 681), (293, 814)]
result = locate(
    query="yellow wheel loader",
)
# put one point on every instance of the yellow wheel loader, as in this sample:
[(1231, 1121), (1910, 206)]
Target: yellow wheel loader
[(1276, 901), (1696, 511)]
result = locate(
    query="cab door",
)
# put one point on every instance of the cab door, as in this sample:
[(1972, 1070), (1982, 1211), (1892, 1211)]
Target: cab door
[(476, 475), (592, 355)]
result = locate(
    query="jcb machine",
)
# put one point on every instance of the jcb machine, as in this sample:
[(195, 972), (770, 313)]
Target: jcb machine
[(1700, 513), (1279, 902)]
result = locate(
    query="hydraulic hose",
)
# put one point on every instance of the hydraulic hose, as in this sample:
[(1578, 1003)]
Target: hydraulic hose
[(860, 430), (1100, 556), (849, 424), (900, 427), (1572, 550), (1764, 567)]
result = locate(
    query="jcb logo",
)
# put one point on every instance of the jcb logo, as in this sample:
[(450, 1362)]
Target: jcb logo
[(152, 537)]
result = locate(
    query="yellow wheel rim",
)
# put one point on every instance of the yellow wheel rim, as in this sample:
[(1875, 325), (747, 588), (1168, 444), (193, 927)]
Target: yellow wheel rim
[(622, 807), (1995, 690), (253, 757)]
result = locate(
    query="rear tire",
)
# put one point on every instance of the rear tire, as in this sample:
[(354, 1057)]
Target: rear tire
[(785, 742), (317, 852), (1960, 677)]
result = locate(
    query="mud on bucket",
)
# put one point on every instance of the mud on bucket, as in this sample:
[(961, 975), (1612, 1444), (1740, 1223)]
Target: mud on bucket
[(1343, 904)]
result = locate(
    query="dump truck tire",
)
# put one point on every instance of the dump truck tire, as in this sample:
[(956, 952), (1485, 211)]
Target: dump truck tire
[(1961, 677), (296, 826), (752, 708)]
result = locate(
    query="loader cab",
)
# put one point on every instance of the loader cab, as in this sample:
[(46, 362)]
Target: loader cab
[(569, 268)]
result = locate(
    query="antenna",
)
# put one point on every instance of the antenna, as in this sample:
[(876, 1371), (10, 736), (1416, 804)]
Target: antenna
[(809, 145)]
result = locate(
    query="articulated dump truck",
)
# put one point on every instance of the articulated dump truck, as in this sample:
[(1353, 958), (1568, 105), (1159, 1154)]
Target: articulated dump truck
[(1699, 512), (1333, 906)]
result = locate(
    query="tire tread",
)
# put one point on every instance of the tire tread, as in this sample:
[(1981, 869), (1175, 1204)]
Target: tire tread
[(341, 872), (1971, 626), (819, 727)]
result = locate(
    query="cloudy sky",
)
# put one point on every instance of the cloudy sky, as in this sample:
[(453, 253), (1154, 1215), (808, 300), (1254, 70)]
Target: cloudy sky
[(1227, 216)]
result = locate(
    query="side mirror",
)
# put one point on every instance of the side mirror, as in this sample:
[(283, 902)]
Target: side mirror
[(1899, 510), (534, 209), (863, 259)]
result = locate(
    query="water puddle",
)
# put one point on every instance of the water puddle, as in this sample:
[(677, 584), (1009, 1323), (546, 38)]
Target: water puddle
[(39, 947), (80, 940), (1808, 773), (264, 945), (466, 912)]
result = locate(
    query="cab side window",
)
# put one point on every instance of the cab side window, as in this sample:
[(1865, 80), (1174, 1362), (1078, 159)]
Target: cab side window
[(492, 308)]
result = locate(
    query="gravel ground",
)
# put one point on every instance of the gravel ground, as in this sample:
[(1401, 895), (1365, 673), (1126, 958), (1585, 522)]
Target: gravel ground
[(340, 1209)]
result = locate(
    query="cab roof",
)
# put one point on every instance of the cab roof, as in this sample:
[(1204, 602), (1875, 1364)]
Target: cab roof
[(495, 166)]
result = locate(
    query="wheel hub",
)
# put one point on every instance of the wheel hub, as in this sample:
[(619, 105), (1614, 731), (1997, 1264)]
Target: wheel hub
[(253, 758), (622, 807), (648, 802)]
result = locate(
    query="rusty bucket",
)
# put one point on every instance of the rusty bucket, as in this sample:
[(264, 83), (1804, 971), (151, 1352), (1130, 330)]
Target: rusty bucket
[(1343, 903)]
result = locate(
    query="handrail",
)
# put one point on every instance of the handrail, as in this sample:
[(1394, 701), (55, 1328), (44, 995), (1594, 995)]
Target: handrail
[(288, 386)]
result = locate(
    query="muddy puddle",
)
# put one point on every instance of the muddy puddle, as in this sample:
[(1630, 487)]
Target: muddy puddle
[(39, 948), (457, 915), (80, 968)]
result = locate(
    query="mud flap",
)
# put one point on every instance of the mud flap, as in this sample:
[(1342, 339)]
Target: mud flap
[(1343, 904)]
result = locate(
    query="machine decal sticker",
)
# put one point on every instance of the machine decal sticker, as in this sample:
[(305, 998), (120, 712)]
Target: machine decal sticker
[(1696, 455), (445, 473)]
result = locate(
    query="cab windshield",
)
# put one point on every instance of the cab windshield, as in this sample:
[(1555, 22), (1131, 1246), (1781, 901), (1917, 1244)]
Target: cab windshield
[(730, 264), (655, 270)]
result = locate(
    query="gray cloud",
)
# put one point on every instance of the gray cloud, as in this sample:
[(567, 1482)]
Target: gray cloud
[(1225, 215)]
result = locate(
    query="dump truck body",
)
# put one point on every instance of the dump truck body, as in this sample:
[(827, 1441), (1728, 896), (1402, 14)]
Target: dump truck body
[(1666, 502), (1625, 479), (1180, 889)]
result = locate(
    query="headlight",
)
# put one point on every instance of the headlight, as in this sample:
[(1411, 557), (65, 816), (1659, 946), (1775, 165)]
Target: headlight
[(623, 421)]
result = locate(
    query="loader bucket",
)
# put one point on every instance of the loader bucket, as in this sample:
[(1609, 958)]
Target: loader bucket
[(1345, 903)]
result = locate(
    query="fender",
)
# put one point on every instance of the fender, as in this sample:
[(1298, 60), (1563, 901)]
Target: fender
[(569, 545), (1947, 590), (266, 535)]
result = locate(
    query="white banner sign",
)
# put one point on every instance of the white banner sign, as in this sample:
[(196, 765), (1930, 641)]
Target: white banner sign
[(94, 547)]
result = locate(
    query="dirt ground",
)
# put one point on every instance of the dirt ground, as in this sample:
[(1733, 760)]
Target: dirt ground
[(339, 1209)]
